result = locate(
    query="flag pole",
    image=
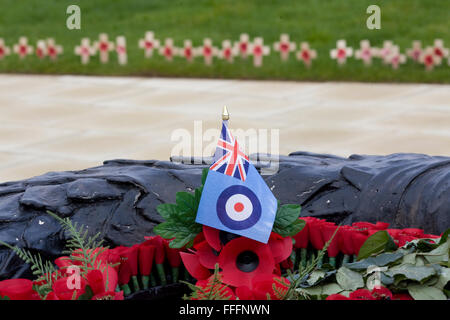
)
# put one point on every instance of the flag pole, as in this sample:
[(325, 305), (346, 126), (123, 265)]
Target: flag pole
[(225, 114)]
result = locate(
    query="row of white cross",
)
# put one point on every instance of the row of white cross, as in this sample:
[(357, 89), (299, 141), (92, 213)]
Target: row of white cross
[(390, 54)]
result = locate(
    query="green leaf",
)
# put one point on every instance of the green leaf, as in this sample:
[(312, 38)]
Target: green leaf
[(186, 202), (204, 175), (376, 243), (315, 277), (444, 278), (445, 236), (4, 298), (290, 230), (421, 292), (412, 272), (166, 210), (181, 233), (87, 295), (286, 215), (348, 279), (381, 260), (331, 288)]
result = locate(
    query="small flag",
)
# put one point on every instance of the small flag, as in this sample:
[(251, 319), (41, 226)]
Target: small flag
[(235, 197)]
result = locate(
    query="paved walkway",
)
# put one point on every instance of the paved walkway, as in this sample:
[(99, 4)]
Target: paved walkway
[(52, 123)]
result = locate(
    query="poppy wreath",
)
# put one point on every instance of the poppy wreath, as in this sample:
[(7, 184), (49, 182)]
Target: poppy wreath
[(305, 258)]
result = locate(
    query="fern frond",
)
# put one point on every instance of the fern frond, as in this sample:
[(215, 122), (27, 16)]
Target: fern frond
[(214, 290)]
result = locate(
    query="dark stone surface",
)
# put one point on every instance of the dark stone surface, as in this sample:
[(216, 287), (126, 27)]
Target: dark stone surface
[(119, 198)]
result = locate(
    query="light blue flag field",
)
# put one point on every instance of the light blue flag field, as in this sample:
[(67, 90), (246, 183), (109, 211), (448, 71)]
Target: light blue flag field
[(235, 197)]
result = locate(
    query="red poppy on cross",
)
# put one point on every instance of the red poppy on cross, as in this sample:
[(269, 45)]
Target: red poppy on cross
[(187, 51), (208, 51), (439, 49), (103, 45), (22, 48), (429, 58), (384, 52), (121, 49), (167, 50), (149, 43), (4, 50), (258, 50), (228, 52), (416, 50), (243, 45), (306, 54), (41, 49), (85, 50), (284, 46), (365, 52), (395, 58), (341, 52), (53, 50)]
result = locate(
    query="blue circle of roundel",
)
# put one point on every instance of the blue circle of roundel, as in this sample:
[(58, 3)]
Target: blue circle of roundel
[(222, 213)]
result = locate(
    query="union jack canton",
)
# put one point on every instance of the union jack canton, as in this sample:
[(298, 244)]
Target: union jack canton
[(229, 159)]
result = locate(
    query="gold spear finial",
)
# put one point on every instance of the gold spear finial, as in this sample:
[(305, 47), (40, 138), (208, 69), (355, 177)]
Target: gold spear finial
[(225, 114)]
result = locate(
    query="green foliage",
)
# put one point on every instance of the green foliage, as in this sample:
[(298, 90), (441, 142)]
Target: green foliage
[(88, 293), (287, 223), (214, 290), (4, 298), (378, 242)]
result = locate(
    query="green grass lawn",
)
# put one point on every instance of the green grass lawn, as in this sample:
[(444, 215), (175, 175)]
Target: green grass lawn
[(320, 22)]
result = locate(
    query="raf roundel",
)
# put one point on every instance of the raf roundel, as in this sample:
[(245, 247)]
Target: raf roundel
[(238, 207)]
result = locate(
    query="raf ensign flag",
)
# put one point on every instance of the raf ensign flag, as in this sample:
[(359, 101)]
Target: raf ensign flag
[(235, 197)]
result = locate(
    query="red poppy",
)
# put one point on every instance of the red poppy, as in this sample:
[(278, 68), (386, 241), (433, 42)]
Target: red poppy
[(337, 297), (244, 293), (212, 237), (346, 240), (129, 255), (110, 277), (364, 226), (242, 258), (199, 238), (16, 289), (277, 269), (124, 274), (173, 255), (281, 247), (63, 263), (401, 296), (429, 236), (361, 294), (109, 295), (287, 264), (263, 284), (158, 242), (205, 285), (381, 293), (51, 296), (207, 256), (65, 289), (95, 281), (146, 254), (193, 266), (302, 238), (327, 232)]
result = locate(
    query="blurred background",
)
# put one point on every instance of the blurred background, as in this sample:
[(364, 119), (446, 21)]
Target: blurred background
[(63, 115)]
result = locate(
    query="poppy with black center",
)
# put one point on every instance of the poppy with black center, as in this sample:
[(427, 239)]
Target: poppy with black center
[(217, 238), (242, 258)]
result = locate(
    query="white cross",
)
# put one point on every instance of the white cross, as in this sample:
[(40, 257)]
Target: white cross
[(187, 51), (284, 46), (341, 52), (22, 48), (121, 49), (384, 52), (103, 45), (167, 50), (429, 58), (395, 58), (149, 43), (4, 50), (439, 49), (306, 54), (41, 49), (85, 50), (258, 50), (365, 52), (416, 50), (228, 52), (53, 50), (208, 51), (243, 45)]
